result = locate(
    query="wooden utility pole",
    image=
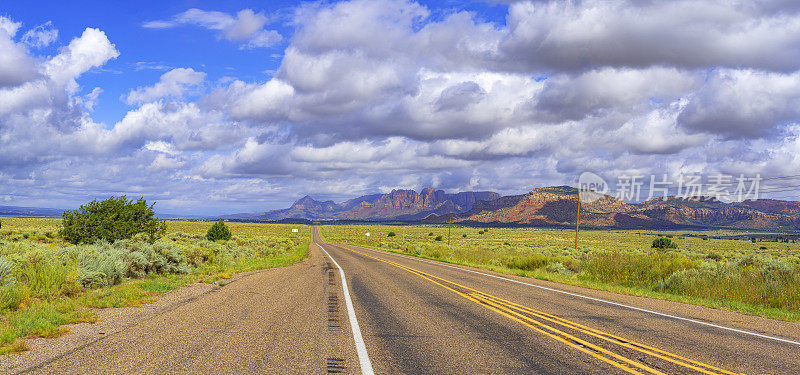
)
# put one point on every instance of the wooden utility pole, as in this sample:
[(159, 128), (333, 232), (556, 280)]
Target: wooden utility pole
[(449, 223), (578, 220)]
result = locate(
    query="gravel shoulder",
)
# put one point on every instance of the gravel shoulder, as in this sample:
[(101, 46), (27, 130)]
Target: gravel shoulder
[(269, 321)]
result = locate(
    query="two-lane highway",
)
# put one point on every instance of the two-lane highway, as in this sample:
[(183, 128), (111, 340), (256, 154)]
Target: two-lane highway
[(419, 316), (348, 309)]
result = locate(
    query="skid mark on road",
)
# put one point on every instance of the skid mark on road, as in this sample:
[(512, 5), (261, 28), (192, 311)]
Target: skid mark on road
[(626, 355), (361, 349)]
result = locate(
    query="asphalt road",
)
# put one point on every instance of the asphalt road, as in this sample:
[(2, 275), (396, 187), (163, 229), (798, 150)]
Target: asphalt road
[(395, 314)]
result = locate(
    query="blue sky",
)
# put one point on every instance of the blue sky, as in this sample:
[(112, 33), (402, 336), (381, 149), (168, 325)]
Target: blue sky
[(219, 107), (185, 46), (180, 47)]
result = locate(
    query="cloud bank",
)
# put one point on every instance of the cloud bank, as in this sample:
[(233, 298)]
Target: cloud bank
[(373, 95)]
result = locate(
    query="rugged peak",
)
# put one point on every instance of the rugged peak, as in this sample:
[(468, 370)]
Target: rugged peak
[(304, 201), (309, 202)]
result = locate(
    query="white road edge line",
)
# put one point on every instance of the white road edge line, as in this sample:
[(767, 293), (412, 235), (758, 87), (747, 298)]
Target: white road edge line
[(591, 298), (361, 349)]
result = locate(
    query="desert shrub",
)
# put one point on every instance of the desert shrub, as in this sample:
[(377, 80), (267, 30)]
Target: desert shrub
[(438, 238), (464, 235), (664, 243), (430, 234), (218, 231), (10, 296), (391, 234), (100, 265), (680, 281), (558, 267), (480, 232), (528, 262), (197, 255), (6, 271), (103, 264), (111, 220), (776, 267)]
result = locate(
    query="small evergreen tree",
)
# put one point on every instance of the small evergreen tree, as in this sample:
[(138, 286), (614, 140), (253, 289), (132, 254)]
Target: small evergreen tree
[(111, 220), (392, 234), (664, 243), (218, 231)]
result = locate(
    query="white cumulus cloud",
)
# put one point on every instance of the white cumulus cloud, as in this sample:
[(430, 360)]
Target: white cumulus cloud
[(246, 27), (40, 36), (174, 83)]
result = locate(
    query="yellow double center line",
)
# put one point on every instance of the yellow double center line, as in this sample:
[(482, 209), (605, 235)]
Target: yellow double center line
[(547, 323)]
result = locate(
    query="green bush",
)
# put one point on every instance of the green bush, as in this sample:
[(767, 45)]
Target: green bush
[(438, 238), (392, 234), (218, 231), (633, 269), (111, 220), (49, 276), (664, 243)]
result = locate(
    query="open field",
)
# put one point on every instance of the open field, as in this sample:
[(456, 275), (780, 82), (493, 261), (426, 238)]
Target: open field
[(760, 278), (46, 282)]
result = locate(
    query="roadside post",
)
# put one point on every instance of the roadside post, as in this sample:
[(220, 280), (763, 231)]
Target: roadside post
[(578, 220)]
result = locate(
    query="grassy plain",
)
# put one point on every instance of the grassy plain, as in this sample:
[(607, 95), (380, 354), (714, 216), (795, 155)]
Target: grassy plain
[(46, 282), (759, 278)]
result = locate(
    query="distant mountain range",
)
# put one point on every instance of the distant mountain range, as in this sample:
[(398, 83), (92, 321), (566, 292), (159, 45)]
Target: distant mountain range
[(18, 211), (15, 211), (548, 206), (403, 205)]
